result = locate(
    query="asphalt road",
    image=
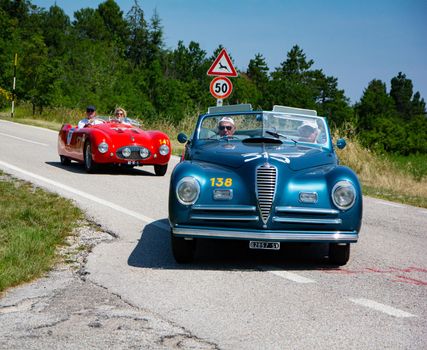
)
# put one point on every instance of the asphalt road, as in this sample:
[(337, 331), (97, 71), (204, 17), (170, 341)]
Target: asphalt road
[(230, 298)]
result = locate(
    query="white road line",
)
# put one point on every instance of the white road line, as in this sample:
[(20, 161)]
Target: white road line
[(291, 276), (29, 126), (381, 307), (390, 204), (26, 140), (95, 199)]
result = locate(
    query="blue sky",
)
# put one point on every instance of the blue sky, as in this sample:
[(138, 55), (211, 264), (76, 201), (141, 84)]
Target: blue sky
[(355, 41)]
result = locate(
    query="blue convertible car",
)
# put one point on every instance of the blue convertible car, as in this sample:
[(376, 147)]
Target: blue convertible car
[(266, 177)]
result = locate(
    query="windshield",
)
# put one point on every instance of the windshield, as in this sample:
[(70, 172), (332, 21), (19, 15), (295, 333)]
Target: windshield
[(110, 119), (265, 125)]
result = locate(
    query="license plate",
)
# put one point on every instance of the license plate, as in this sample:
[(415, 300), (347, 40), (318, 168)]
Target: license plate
[(264, 245)]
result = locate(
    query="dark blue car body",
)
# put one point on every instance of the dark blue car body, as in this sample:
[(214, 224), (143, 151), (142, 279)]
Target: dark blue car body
[(265, 184)]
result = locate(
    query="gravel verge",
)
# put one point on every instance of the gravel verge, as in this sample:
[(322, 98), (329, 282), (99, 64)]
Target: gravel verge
[(64, 310)]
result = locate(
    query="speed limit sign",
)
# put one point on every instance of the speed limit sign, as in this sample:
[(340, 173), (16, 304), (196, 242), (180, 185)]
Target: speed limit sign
[(221, 87)]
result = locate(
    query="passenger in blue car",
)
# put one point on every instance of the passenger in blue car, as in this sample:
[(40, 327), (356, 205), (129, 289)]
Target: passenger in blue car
[(226, 127), (308, 133)]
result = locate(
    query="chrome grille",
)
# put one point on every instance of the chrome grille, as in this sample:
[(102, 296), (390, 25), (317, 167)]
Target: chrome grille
[(266, 187), (134, 155)]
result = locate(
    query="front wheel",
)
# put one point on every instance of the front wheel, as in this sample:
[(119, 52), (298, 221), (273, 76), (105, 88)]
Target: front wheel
[(160, 170), (339, 254), (90, 164), (183, 250)]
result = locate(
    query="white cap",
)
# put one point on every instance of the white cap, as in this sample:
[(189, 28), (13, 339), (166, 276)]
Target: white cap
[(227, 119)]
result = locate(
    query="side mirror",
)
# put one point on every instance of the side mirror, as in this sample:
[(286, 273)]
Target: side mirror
[(341, 143), (182, 138)]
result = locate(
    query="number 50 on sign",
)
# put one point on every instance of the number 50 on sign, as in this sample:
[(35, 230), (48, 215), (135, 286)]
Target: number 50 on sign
[(221, 87)]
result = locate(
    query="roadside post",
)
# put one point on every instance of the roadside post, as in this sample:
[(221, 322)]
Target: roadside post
[(221, 87), (14, 84)]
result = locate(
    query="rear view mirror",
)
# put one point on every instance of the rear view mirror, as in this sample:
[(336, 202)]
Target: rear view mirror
[(182, 138), (341, 143)]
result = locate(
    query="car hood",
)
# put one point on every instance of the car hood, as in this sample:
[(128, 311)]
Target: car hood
[(235, 154), (124, 133)]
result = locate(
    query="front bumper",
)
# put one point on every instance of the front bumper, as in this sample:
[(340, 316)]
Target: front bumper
[(267, 235)]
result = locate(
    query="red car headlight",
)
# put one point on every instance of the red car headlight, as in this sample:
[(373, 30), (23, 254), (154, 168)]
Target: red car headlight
[(164, 150)]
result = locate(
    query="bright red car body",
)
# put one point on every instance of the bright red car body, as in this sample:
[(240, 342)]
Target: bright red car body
[(113, 142)]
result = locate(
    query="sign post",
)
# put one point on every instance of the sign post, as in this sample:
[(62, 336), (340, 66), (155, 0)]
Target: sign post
[(14, 84), (221, 87)]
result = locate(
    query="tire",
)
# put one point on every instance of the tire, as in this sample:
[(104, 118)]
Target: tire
[(90, 165), (183, 250), (160, 170), (339, 254), (65, 160)]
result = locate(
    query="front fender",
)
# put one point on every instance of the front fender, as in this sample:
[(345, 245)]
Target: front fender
[(210, 177)]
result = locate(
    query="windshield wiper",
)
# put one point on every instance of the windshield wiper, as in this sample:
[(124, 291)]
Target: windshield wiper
[(278, 135)]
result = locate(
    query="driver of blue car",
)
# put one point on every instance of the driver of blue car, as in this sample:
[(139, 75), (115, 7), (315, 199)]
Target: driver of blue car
[(226, 127)]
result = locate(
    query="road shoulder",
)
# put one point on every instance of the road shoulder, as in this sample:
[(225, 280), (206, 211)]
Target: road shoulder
[(65, 310)]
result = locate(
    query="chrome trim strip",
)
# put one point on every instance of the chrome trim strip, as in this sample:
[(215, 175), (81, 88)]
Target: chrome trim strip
[(308, 221), (224, 207), (306, 210), (224, 218), (308, 236)]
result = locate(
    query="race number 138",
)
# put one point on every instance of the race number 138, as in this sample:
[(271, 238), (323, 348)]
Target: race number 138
[(221, 87)]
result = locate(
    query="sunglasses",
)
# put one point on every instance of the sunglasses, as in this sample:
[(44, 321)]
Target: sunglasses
[(119, 113), (223, 127)]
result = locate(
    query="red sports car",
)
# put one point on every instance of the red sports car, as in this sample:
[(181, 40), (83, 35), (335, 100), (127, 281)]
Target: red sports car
[(113, 142)]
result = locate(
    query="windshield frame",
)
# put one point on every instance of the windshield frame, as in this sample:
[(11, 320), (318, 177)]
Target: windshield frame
[(263, 136)]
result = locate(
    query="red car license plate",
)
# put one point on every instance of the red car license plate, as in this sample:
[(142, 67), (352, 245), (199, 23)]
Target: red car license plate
[(264, 245)]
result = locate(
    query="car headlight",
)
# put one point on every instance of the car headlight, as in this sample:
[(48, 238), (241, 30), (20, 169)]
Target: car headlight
[(103, 147), (164, 150), (126, 152), (344, 195), (187, 190), (144, 152)]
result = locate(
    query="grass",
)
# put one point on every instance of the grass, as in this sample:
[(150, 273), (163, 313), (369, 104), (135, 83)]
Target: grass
[(396, 179), (33, 223), (415, 165)]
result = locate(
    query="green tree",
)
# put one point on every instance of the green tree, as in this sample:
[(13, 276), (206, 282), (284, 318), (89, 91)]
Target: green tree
[(290, 83), (56, 28), (258, 71), (186, 63), (88, 24), (137, 50), (115, 24), (374, 102), (155, 39), (418, 105), (401, 92)]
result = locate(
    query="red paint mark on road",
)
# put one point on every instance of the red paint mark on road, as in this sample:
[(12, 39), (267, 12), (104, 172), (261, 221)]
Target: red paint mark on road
[(370, 269), (390, 271), (409, 269), (419, 269), (411, 281)]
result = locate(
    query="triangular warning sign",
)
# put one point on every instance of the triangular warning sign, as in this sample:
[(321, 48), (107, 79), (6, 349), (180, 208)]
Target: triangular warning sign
[(222, 66)]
